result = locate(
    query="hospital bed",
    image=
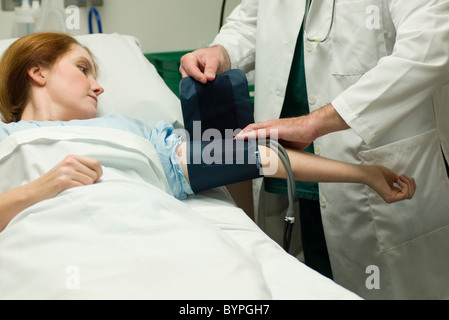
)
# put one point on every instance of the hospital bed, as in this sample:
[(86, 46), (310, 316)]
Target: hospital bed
[(126, 237)]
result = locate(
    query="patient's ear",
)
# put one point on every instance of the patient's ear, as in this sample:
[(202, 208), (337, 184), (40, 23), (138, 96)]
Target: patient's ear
[(38, 75)]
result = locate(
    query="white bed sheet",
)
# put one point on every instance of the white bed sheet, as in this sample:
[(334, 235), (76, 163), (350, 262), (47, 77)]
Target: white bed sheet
[(287, 278), (124, 237), (127, 237)]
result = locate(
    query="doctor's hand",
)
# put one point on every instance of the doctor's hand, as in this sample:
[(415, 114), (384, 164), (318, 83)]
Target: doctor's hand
[(204, 64), (293, 133), (298, 132), (384, 181)]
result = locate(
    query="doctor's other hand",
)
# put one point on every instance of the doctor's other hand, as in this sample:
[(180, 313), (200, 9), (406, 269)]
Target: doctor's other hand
[(383, 180), (72, 171), (298, 132), (205, 63), (293, 133)]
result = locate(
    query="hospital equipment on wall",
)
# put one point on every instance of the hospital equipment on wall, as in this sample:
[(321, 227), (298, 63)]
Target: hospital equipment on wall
[(38, 13), (224, 105), (94, 12), (306, 20), (27, 13), (222, 17), (47, 11)]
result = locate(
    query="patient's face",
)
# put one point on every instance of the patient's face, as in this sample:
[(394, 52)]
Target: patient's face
[(73, 87)]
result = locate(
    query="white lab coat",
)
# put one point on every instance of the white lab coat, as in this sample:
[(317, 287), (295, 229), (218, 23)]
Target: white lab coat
[(384, 68)]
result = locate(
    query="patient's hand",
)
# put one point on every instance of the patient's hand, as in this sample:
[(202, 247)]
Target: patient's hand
[(383, 180), (72, 171)]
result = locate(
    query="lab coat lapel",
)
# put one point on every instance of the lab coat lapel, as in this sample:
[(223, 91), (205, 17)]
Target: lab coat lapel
[(271, 87)]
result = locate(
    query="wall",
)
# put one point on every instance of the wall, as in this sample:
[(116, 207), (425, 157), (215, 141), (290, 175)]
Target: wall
[(161, 25)]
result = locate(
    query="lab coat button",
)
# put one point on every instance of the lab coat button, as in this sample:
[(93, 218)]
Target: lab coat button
[(317, 150), (312, 100), (309, 46), (323, 202)]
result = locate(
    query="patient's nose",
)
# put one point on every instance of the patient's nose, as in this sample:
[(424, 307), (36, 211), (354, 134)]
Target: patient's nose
[(96, 88)]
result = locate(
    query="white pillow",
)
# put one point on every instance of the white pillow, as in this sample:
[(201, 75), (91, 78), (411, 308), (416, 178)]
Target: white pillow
[(132, 85)]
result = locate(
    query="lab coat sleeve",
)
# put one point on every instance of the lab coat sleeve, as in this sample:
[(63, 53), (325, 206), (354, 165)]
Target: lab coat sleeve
[(418, 66), (238, 35)]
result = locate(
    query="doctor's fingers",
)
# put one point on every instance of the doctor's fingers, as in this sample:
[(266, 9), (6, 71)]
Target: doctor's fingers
[(257, 129), (190, 67), (205, 63), (202, 65), (288, 129)]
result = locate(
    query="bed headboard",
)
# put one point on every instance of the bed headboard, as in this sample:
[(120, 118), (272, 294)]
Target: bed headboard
[(132, 85)]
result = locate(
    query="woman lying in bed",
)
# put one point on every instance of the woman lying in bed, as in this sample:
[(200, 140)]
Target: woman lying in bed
[(49, 79)]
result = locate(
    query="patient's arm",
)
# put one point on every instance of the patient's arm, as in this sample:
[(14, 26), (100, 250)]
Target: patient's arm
[(71, 172), (312, 168)]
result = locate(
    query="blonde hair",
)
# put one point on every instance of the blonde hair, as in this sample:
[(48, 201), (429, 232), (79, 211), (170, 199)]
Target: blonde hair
[(37, 49)]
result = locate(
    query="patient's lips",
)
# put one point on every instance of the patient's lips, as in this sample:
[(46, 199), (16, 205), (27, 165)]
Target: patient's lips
[(94, 97)]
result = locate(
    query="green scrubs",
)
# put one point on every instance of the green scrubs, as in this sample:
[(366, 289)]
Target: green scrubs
[(312, 233)]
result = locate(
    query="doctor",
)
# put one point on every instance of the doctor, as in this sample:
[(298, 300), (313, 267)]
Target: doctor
[(376, 74)]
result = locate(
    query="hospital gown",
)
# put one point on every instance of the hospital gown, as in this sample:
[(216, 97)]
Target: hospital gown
[(163, 137)]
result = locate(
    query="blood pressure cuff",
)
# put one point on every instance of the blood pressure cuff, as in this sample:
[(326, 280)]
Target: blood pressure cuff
[(220, 104), (223, 105), (220, 162)]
